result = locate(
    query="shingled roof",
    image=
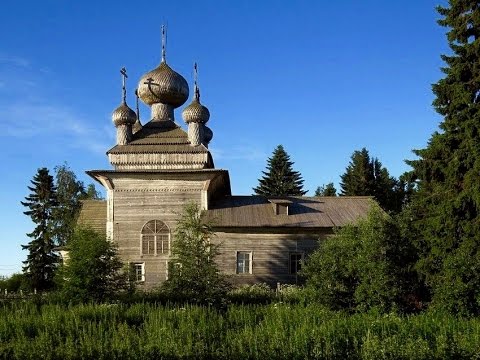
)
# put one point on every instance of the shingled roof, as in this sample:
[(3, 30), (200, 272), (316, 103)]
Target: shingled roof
[(304, 212), (159, 137), (160, 145), (93, 214)]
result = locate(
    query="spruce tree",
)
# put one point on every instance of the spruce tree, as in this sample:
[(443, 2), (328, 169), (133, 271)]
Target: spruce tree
[(365, 176), (447, 204), (280, 179), (326, 190), (41, 260)]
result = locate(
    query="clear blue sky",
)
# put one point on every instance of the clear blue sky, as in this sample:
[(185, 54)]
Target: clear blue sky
[(323, 78)]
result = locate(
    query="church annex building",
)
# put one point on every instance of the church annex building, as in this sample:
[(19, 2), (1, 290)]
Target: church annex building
[(158, 167)]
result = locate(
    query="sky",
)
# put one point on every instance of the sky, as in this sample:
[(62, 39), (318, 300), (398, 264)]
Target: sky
[(323, 78)]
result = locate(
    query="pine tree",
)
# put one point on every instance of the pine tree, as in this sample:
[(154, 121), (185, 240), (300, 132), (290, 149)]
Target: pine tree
[(326, 190), (193, 274), (41, 260), (280, 179), (447, 204), (365, 176)]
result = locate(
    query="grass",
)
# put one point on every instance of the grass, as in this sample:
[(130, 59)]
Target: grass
[(281, 331)]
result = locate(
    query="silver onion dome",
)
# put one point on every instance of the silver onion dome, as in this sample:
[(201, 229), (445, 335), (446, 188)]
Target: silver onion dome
[(163, 85), (195, 112), (123, 115), (207, 134)]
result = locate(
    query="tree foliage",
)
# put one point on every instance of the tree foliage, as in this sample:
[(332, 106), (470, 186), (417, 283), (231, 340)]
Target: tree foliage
[(363, 266), (445, 209), (41, 260), (326, 190), (93, 271), (193, 274), (280, 179), (69, 191), (365, 176)]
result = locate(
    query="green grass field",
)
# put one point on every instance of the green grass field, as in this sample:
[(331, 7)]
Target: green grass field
[(277, 331)]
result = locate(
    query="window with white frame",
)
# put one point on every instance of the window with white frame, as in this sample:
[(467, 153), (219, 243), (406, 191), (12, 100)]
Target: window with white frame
[(155, 238), (296, 262), (244, 262), (172, 268), (139, 271)]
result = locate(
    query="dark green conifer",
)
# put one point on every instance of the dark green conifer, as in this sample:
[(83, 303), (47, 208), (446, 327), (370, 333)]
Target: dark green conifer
[(446, 208), (41, 260), (365, 176), (280, 179), (326, 190)]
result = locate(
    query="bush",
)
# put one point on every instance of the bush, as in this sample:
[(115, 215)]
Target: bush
[(93, 271), (364, 266), (14, 283)]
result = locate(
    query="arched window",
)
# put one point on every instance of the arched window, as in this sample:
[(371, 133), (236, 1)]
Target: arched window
[(155, 238)]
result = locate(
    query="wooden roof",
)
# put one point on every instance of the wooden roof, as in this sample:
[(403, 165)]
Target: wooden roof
[(304, 212), (159, 137), (93, 214)]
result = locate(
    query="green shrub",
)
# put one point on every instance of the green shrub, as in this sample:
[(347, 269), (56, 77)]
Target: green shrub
[(363, 266)]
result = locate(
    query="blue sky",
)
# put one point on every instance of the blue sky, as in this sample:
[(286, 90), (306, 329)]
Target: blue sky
[(323, 78)]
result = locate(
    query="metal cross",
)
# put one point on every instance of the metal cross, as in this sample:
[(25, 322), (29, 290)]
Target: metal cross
[(123, 71), (195, 82), (164, 42)]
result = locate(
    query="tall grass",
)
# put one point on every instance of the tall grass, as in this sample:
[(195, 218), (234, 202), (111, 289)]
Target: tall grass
[(282, 331)]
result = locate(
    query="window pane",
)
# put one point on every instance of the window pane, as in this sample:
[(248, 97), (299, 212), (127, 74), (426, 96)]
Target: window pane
[(162, 244), (148, 245), (243, 262)]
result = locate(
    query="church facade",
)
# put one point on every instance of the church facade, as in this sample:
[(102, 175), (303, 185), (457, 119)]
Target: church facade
[(158, 167)]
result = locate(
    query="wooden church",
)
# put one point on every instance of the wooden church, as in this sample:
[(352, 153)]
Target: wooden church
[(158, 167)]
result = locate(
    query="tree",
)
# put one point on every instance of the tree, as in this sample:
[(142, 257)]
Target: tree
[(280, 179), (365, 265), (365, 176), (326, 190), (41, 260), (193, 274), (445, 208), (93, 270), (70, 191)]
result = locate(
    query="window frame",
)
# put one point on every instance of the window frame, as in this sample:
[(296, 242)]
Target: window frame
[(157, 237), (290, 262), (140, 265), (250, 262)]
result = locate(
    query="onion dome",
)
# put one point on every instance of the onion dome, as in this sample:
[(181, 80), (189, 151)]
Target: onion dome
[(123, 115), (163, 85), (207, 134), (196, 112)]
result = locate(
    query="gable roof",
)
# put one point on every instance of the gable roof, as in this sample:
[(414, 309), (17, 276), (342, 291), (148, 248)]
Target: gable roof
[(304, 212), (93, 214)]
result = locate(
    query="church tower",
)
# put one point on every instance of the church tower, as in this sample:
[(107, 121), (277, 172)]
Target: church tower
[(157, 168)]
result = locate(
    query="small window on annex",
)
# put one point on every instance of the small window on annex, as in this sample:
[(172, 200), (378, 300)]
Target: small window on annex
[(138, 271), (244, 262), (296, 261), (155, 238)]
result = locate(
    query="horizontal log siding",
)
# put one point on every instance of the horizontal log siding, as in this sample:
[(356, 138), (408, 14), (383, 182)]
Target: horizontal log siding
[(135, 202), (270, 255)]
